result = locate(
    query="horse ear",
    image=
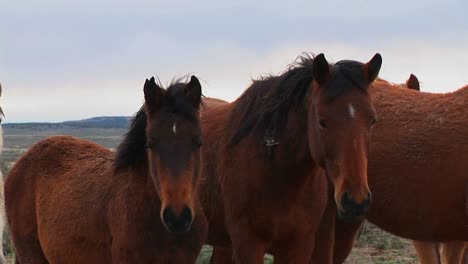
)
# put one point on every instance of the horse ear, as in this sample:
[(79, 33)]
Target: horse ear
[(373, 67), (193, 91), (153, 95), (320, 69), (413, 82)]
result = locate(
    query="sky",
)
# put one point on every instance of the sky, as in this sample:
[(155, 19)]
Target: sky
[(69, 60)]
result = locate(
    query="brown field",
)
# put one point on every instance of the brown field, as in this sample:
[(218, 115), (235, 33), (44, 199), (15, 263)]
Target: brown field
[(373, 245)]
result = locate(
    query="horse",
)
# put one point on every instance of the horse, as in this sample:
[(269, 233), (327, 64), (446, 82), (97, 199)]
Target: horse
[(72, 201), (417, 169), (2, 197), (435, 252), (451, 252), (412, 83), (268, 157)]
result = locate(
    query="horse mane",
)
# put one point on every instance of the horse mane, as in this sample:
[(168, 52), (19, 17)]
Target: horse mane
[(132, 150), (265, 105)]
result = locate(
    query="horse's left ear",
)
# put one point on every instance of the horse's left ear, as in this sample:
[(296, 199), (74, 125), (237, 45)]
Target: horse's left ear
[(193, 91), (413, 82), (320, 69), (153, 95), (373, 67)]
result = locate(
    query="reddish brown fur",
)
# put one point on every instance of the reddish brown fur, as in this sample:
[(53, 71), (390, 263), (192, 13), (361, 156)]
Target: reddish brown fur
[(417, 171), (67, 202), (270, 213), (453, 252), (273, 204), (438, 252)]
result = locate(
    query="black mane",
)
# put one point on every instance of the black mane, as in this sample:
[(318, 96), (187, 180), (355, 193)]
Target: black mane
[(265, 105), (132, 150)]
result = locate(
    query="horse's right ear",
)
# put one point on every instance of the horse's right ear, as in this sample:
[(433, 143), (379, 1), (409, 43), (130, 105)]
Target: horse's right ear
[(413, 83), (153, 95), (373, 67), (193, 91), (320, 69)]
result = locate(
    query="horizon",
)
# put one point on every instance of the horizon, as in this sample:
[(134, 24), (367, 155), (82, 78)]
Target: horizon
[(72, 61), (63, 121)]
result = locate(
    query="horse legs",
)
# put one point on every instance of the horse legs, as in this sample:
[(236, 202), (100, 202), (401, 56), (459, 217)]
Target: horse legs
[(221, 256), (25, 236), (323, 251), (247, 247), (428, 252), (453, 252), (297, 251), (345, 235), (29, 251), (465, 256)]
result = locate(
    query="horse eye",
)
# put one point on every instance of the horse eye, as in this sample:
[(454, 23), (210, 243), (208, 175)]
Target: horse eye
[(373, 122), (323, 123)]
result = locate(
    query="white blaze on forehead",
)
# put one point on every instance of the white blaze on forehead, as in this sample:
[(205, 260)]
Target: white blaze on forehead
[(174, 128), (351, 110)]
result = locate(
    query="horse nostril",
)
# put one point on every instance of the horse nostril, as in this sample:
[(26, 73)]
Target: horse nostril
[(187, 217), (346, 201), (177, 223), (168, 216), (353, 209)]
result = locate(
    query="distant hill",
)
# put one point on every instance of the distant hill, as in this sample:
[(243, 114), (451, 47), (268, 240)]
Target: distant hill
[(94, 122)]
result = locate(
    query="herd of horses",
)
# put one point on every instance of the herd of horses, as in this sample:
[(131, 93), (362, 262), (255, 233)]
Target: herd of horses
[(291, 168)]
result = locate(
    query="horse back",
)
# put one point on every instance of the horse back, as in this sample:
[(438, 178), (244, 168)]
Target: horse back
[(56, 194)]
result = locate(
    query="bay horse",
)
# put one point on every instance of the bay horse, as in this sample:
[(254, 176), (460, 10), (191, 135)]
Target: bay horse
[(268, 155), (417, 169), (2, 197), (72, 201)]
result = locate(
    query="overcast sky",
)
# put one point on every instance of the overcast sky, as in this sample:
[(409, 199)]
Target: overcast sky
[(67, 60)]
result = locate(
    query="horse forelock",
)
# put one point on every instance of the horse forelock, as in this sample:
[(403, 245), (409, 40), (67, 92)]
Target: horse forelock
[(132, 150)]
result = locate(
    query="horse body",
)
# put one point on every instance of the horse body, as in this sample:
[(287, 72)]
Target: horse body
[(58, 178), (279, 210), (72, 201), (437, 252), (417, 170), (422, 196), (268, 156)]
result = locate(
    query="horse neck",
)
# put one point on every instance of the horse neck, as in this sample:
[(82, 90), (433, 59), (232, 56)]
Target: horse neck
[(137, 178), (292, 150)]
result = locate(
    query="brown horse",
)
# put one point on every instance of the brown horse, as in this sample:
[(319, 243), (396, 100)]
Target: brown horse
[(413, 83), (417, 170), (451, 252), (72, 201), (268, 156)]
